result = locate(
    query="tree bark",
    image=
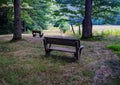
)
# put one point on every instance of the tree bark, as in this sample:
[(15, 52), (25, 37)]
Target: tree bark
[(72, 29), (17, 21), (79, 30), (87, 23)]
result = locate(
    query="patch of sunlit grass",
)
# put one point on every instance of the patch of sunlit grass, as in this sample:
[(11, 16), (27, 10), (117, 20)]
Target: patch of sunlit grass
[(115, 48)]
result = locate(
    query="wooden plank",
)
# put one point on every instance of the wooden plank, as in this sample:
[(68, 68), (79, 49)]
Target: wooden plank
[(36, 31), (62, 41), (63, 49)]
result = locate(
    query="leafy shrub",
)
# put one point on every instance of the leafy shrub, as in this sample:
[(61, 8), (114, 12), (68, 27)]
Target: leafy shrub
[(64, 27)]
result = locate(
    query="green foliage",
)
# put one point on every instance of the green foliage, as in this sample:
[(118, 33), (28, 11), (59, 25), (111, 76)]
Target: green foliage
[(40, 13), (64, 27), (6, 19), (3, 2), (114, 47), (105, 9), (36, 13), (62, 24), (26, 17)]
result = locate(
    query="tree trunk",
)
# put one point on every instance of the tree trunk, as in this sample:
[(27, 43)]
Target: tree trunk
[(79, 30), (17, 21), (72, 29), (87, 23)]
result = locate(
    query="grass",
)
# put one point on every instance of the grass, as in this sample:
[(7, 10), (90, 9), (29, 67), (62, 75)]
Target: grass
[(24, 62), (115, 48), (99, 32), (115, 77)]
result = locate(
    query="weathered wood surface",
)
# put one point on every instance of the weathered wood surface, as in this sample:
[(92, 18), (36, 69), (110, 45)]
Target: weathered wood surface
[(50, 42)]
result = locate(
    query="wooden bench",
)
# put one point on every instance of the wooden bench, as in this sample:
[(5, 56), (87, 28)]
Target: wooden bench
[(35, 32), (51, 42)]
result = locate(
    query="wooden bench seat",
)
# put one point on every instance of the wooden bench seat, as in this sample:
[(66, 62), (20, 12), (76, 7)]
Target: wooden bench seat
[(72, 45), (63, 49)]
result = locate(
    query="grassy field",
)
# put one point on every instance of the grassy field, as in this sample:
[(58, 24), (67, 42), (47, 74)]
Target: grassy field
[(25, 63), (104, 30)]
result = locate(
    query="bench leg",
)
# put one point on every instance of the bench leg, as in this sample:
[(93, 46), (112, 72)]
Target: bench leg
[(80, 50), (76, 55), (47, 52), (34, 34), (40, 35)]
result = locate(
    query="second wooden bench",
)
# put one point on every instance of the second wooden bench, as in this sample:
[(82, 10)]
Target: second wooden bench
[(34, 33)]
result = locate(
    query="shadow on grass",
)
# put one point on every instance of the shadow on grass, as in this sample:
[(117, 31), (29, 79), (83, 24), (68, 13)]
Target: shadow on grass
[(94, 38), (62, 58), (115, 67)]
